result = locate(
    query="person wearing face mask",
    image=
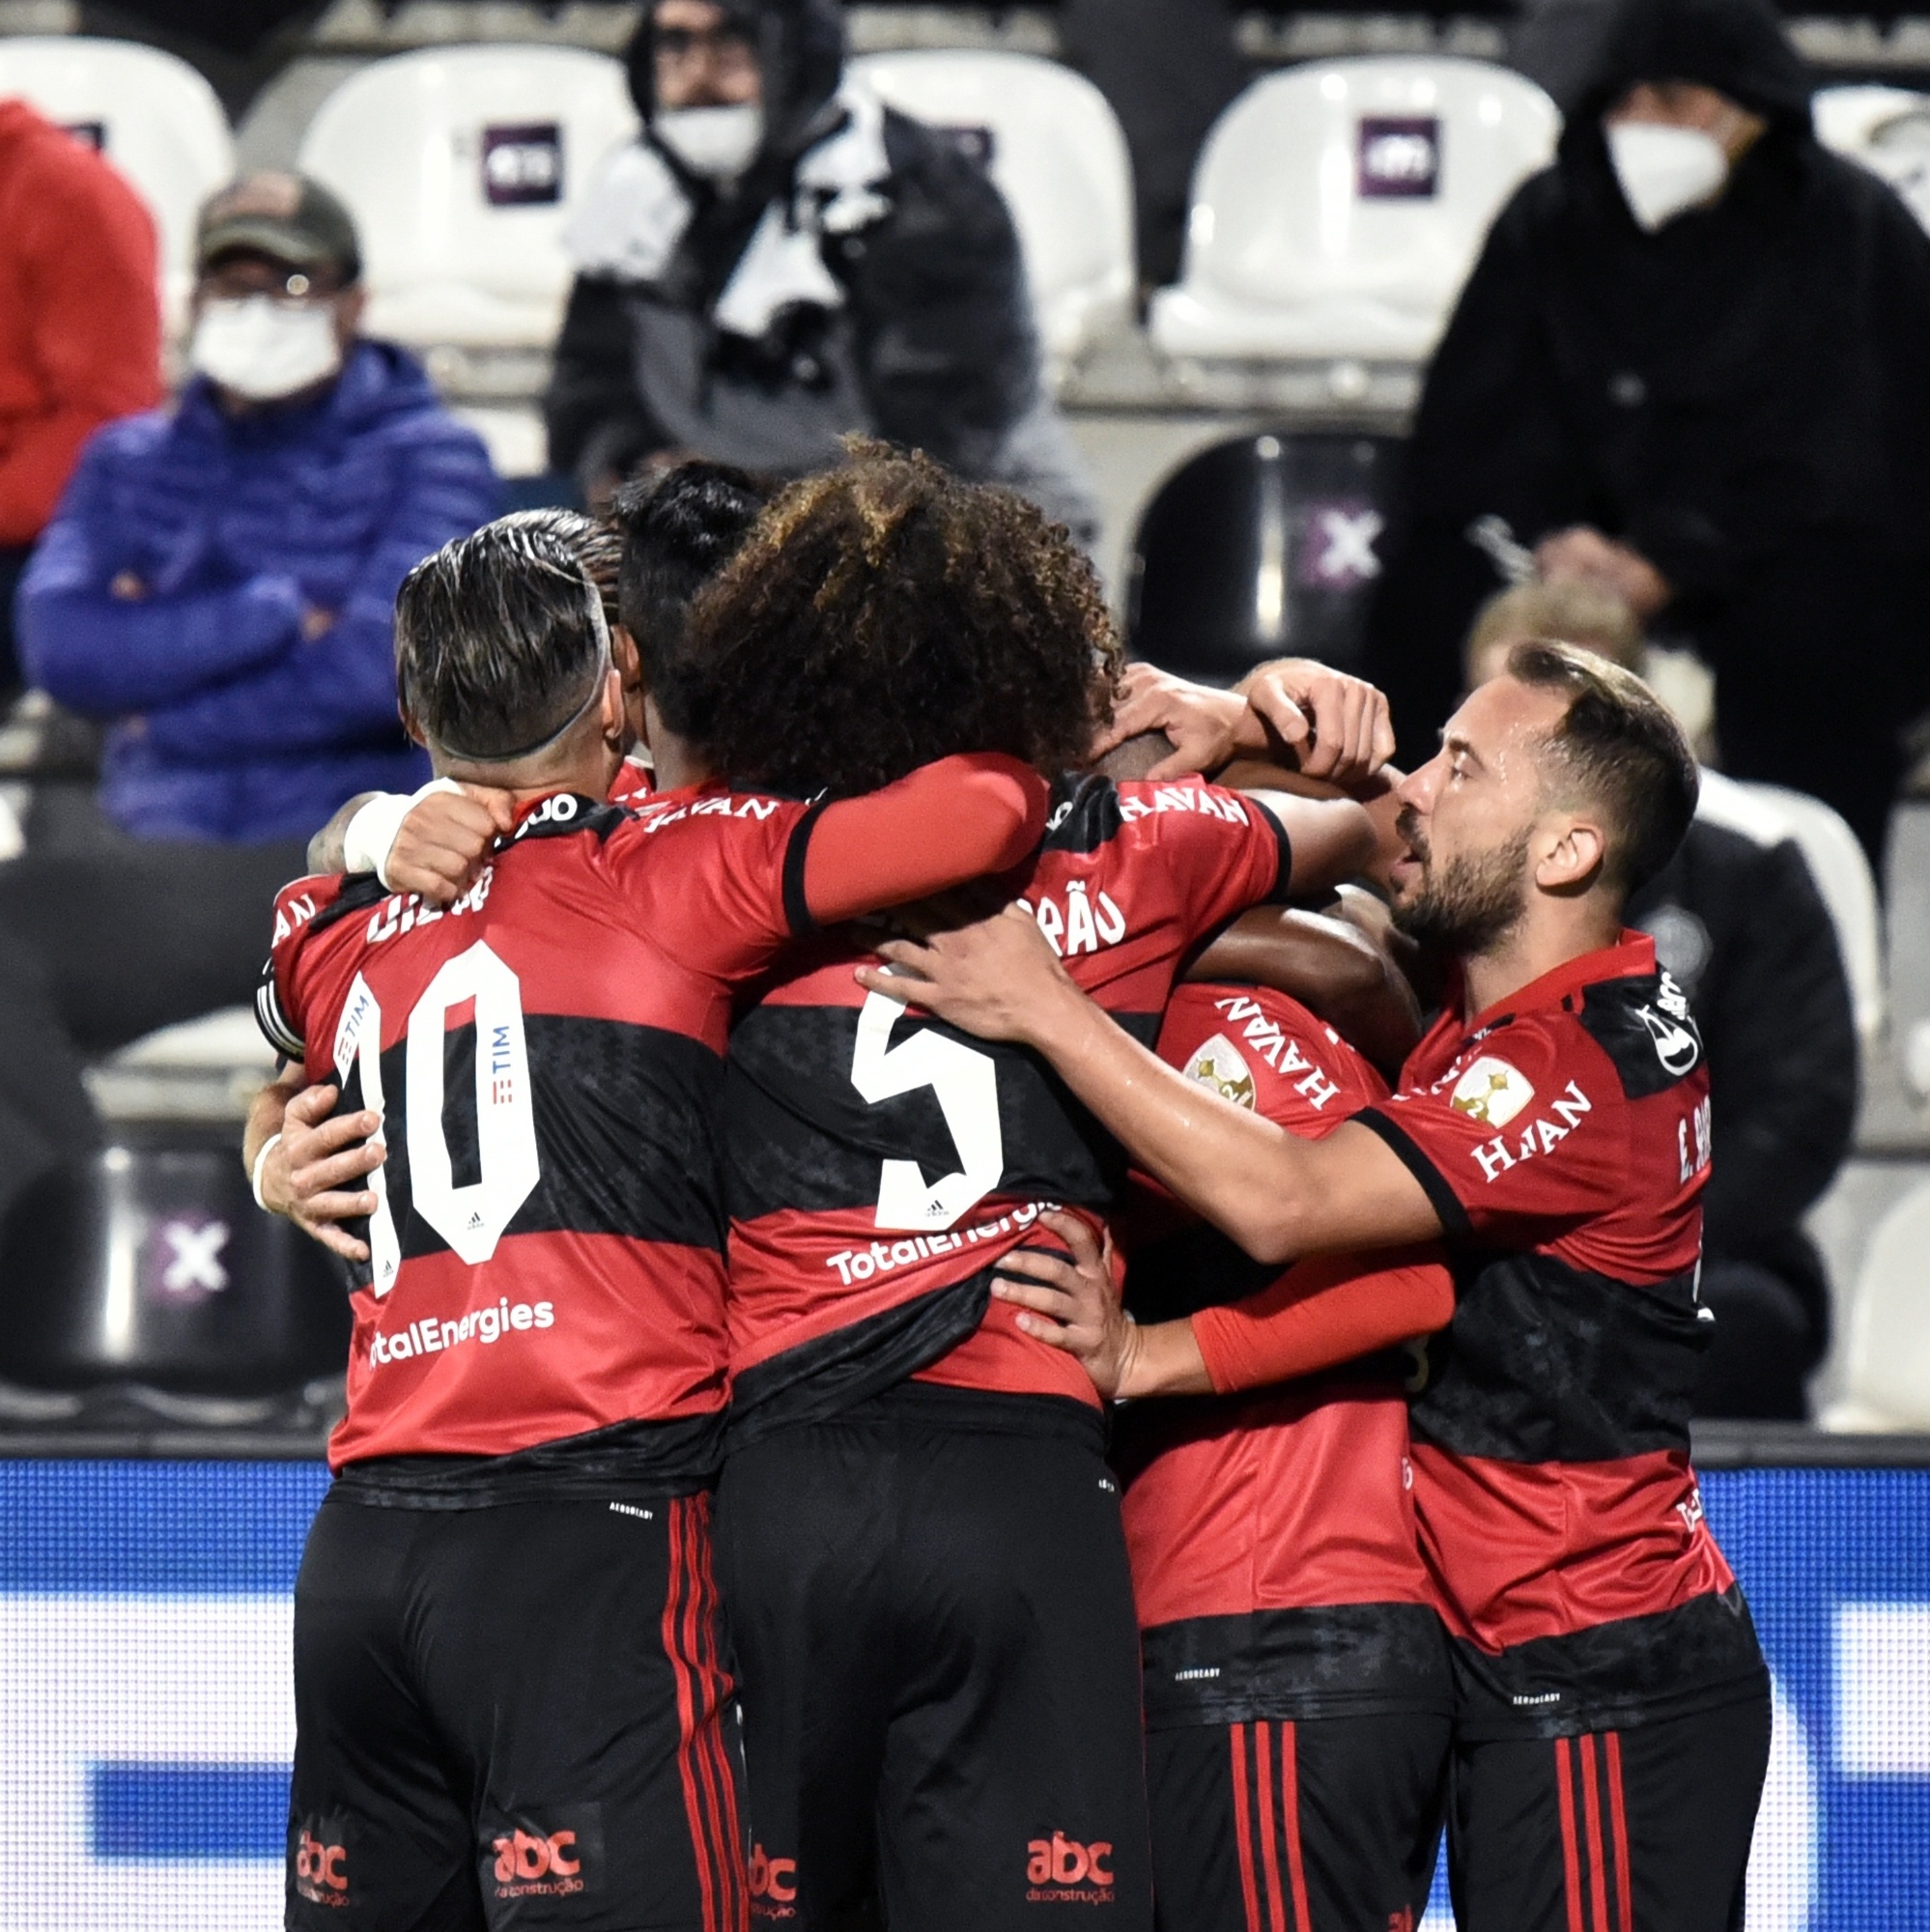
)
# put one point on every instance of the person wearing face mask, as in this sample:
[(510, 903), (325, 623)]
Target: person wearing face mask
[(779, 260), (217, 586), (1688, 369), (217, 583)]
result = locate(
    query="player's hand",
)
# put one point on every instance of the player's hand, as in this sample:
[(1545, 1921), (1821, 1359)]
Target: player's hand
[(1072, 1304), (1202, 725), (1338, 728), (440, 846), (992, 979), (310, 1173), (1583, 554)]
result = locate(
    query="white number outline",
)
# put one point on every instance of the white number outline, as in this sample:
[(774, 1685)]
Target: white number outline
[(470, 1218), (965, 1083)]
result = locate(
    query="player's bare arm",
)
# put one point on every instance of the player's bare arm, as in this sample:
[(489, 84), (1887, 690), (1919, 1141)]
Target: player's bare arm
[(1320, 721), (1276, 1196), (312, 1163)]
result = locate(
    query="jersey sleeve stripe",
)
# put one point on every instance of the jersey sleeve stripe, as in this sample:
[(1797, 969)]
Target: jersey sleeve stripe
[(272, 1021), (1434, 1183), (1284, 879), (796, 908)]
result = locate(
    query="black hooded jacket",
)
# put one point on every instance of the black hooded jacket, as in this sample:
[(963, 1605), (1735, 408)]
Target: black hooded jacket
[(1748, 386), (935, 342)]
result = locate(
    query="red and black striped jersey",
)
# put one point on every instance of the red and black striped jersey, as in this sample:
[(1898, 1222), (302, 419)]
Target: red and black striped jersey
[(880, 1162), (1275, 1561), (1563, 1138), (547, 1257)]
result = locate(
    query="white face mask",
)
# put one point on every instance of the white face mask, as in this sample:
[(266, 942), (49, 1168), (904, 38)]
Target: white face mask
[(263, 349), (1665, 171), (718, 143)]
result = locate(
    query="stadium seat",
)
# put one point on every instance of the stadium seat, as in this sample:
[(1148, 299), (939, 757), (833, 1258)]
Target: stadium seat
[(1887, 130), (462, 166), (151, 115), (1842, 874), (1056, 151), (151, 1265), (1337, 207), (1260, 547), (1886, 1359)]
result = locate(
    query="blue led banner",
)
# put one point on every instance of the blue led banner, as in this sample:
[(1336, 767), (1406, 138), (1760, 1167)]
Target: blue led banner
[(145, 1716)]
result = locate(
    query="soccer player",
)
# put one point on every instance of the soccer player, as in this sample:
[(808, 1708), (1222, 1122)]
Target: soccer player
[(1612, 1724), (919, 1535), (509, 1672), (1296, 1680)]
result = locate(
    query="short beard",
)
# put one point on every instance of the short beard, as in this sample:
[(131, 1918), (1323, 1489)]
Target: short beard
[(1472, 904)]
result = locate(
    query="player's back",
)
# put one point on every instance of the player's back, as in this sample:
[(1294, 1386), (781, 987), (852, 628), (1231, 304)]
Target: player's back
[(547, 1253), (1280, 1516), (880, 1162)]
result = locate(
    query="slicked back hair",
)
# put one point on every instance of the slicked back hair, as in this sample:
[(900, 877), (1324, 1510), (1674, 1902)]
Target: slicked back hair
[(883, 614), (596, 545), (500, 641), (678, 532), (1619, 747)]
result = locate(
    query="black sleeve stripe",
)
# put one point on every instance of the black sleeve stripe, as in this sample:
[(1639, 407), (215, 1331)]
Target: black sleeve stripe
[(1434, 1183), (1284, 879), (796, 908), (272, 1021)]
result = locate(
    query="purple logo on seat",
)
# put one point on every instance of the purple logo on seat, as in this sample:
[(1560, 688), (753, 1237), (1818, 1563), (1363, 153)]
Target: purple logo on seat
[(1400, 158), (522, 165)]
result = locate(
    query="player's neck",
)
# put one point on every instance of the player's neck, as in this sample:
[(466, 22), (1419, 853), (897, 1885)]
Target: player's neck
[(1549, 934)]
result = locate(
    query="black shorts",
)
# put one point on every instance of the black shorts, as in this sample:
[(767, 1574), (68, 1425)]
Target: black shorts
[(1610, 1831), (1286, 1825), (934, 1628), (512, 1717)]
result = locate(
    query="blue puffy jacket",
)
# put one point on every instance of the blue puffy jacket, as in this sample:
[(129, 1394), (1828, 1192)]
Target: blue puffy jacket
[(228, 724)]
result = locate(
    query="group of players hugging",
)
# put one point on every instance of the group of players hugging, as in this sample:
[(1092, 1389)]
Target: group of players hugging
[(910, 1368)]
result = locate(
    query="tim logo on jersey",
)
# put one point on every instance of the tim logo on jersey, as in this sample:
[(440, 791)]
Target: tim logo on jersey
[(1062, 1871), (555, 1854)]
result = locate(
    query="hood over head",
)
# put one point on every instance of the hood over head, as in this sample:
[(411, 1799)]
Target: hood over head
[(800, 48), (1736, 47)]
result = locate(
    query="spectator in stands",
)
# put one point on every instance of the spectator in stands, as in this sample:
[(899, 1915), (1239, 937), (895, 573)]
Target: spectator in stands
[(218, 581), (1689, 367), (79, 327), (779, 260), (1736, 918)]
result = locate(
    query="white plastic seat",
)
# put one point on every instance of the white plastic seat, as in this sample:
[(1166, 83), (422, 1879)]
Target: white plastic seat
[(1337, 207), (1887, 130), (151, 115), (1841, 869), (1059, 157), (1886, 1378), (461, 166)]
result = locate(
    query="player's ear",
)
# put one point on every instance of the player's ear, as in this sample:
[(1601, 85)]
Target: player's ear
[(610, 715), (1570, 856), (411, 728)]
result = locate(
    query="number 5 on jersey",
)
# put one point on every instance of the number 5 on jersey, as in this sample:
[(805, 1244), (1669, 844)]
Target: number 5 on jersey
[(966, 1084), (472, 1217)]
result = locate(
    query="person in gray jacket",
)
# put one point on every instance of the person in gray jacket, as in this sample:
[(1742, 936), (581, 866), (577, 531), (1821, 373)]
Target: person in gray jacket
[(779, 260)]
